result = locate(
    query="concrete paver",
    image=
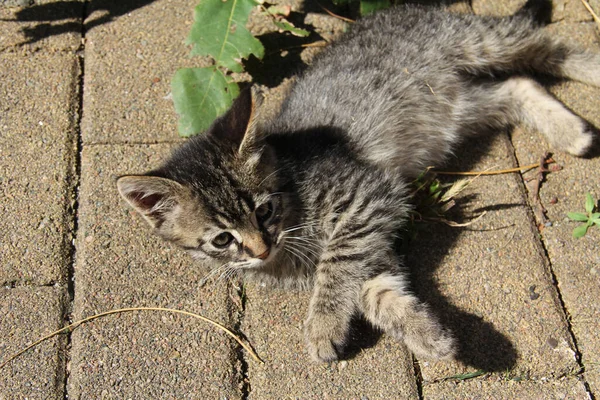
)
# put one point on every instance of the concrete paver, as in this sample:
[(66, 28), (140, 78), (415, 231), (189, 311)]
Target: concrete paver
[(489, 281), (576, 262), (563, 389), (26, 315), (562, 10), (49, 25), (38, 112), (120, 264), (128, 70), (274, 320)]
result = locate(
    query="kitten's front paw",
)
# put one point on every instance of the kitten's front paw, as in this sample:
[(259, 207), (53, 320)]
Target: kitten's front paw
[(325, 337)]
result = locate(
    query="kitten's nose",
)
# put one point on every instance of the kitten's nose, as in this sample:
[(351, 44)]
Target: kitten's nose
[(264, 255), (255, 246)]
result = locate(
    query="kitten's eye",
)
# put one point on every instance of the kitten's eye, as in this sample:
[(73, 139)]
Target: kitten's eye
[(222, 240), (264, 211)]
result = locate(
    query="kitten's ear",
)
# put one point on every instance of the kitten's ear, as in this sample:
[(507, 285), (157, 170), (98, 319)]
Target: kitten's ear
[(153, 197), (237, 125)]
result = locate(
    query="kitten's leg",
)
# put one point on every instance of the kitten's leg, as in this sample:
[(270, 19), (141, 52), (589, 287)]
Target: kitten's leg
[(522, 100), (331, 308), (388, 305)]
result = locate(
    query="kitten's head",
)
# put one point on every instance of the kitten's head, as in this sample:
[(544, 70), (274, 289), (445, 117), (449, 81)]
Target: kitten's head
[(218, 196)]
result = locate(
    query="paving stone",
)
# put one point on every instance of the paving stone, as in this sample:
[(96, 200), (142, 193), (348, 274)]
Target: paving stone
[(120, 264), (38, 112), (129, 69), (496, 8), (273, 321), (575, 262), (28, 314), (564, 389), (48, 25), (573, 11), (489, 281), (562, 10)]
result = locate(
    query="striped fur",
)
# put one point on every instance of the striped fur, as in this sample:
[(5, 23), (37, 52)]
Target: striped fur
[(316, 197)]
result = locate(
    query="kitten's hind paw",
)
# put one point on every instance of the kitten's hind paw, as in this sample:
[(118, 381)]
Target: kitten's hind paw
[(582, 143)]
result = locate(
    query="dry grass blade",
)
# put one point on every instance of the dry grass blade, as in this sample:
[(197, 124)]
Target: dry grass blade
[(496, 172), (591, 10), (335, 15), (456, 224), (123, 310)]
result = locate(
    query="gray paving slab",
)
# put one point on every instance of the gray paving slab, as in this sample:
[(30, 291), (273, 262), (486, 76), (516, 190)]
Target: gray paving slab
[(49, 25), (38, 112), (575, 262), (562, 10), (489, 281), (496, 8), (28, 314), (490, 389), (273, 320), (120, 264), (128, 70)]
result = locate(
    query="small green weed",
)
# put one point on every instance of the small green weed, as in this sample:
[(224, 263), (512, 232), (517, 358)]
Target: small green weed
[(590, 217)]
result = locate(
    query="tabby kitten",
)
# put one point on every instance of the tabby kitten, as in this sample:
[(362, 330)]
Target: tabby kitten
[(317, 195)]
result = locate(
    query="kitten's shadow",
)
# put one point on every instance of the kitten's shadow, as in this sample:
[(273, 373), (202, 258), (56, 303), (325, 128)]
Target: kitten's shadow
[(480, 345)]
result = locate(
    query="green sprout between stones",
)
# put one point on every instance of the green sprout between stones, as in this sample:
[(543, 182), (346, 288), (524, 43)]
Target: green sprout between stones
[(589, 218)]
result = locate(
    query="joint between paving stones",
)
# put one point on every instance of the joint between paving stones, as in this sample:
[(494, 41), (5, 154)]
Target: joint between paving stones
[(540, 244), (236, 310), (74, 181), (418, 377)]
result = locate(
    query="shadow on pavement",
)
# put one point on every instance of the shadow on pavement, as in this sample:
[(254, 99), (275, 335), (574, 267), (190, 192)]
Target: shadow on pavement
[(57, 18)]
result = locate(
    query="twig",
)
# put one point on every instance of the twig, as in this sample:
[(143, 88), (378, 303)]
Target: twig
[(591, 10), (534, 193), (335, 15), (123, 310), (497, 172)]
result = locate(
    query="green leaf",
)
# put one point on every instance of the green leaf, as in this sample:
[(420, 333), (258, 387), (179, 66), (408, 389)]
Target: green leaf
[(200, 96), (287, 26), (580, 231), (370, 6), (578, 216), (219, 31), (589, 203)]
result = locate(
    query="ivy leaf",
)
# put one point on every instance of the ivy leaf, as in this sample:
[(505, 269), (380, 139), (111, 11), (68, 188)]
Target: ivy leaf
[(201, 95), (370, 6), (219, 31), (589, 203), (577, 216), (580, 231)]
